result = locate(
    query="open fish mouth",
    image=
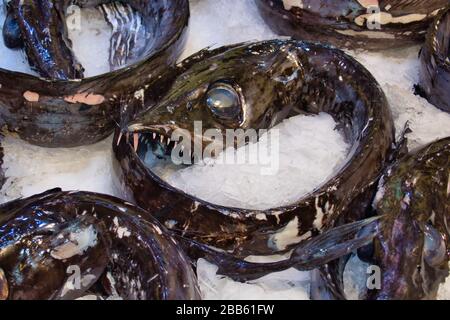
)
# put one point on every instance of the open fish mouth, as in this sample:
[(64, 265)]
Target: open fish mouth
[(256, 86), (160, 144), (153, 146), (157, 139)]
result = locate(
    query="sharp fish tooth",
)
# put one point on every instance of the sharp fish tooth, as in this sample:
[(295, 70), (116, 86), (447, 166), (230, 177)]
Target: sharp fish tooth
[(120, 137), (161, 138), (168, 140), (135, 141), (154, 135)]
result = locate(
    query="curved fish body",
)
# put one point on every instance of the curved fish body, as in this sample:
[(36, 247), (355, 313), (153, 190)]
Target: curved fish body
[(2, 172), (354, 24), (65, 245), (411, 249), (434, 76), (45, 38), (40, 26), (255, 86), (69, 113)]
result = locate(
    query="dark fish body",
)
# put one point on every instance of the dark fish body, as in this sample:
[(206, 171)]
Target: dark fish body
[(40, 26), (12, 36), (412, 249), (2, 173), (114, 248), (46, 41), (434, 76), (274, 79), (352, 24), (68, 113)]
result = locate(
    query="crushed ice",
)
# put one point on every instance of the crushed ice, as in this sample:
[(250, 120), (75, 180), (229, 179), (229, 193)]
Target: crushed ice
[(309, 152), (213, 23)]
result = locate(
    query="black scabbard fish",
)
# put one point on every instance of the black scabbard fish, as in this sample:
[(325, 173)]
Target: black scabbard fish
[(61, 108), (354, 24), (65, 245), (257, 85), (44, 35), (434, 76), (40, 26), (411, 250), (413, 247)]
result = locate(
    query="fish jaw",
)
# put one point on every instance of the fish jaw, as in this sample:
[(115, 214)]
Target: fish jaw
[(262, 96)]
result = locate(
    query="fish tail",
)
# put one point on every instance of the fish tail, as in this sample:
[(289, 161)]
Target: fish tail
[(308, 255), (335, 243)]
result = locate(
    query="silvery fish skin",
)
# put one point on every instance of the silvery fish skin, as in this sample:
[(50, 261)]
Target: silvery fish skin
[(434, 76), (411, 249), (354, 24), (60, 113), (116, 249), (273, 80)]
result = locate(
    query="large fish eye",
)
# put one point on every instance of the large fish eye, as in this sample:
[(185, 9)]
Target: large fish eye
[(434, 248), (223, 101)]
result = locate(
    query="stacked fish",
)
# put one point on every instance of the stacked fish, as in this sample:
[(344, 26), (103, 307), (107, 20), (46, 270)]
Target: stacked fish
[(388, 204)]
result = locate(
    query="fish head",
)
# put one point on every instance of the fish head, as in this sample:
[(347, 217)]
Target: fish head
[(240, 87)]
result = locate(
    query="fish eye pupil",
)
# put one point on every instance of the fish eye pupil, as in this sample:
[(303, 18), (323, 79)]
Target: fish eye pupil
[(223, 101)]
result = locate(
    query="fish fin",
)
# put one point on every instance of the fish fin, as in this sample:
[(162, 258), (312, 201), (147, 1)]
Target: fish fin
[(308, 255), (321, 288), (335, 243), (401, 146)]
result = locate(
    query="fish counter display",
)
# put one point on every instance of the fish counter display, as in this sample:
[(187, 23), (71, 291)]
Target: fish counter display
[(263, 167), (58, 107)]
